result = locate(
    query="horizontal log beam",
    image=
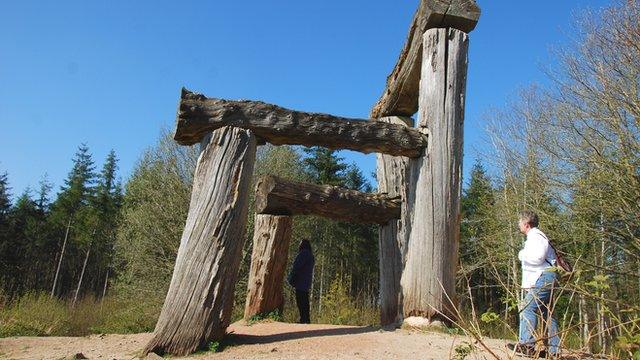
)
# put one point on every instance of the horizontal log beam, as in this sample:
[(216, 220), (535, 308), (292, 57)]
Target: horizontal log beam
[(400, 96), (198, 115), (276, 196)]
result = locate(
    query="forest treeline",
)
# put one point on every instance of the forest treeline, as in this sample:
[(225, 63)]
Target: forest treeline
[(569, 150), (62, 246)]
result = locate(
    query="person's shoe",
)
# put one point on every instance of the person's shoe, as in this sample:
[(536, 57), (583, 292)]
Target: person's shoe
[(526, 350)]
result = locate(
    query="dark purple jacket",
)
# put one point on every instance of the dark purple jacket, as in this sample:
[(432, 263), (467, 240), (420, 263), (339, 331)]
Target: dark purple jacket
[(302, 271)]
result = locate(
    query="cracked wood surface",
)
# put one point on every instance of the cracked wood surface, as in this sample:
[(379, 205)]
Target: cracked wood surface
[(392, 173), (198, 305), (278, 196), (428, 279), (198, 115), (400, 96), (271, 238)]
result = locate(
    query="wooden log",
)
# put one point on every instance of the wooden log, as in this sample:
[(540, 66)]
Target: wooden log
[(428, 280), (400, 96), (392, 174), (199, 302), (278, 196), (198, 115), (271, 239)]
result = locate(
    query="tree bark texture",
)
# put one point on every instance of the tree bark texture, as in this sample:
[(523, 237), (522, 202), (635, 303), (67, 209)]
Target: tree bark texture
[(198, 115), (199, 302), (400, 96), (277, 196), (428, 280), (392, 174), (271, 239)]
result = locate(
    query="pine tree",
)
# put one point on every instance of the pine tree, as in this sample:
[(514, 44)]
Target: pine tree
[(74, 220), (5, 231), (24, 249), (342, 250), (477, 230), (479, 189), (355, 180), (5, 197), (43, 236), (5, 207), (108, 195), (324, 166), (43, 200), (476, 203), (107, 203), (359, 249), (78, 188)]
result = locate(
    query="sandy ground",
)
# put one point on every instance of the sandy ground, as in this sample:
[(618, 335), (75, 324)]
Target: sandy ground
[(272, 340)]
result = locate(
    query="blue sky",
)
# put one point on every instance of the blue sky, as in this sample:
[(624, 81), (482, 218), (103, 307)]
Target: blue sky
[(109, 73)]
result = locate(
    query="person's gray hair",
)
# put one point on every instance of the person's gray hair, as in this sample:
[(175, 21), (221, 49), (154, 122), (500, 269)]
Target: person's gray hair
[(529, 217)]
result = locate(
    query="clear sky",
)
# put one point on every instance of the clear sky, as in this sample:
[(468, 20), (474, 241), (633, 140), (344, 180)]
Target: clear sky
[(109, 73)]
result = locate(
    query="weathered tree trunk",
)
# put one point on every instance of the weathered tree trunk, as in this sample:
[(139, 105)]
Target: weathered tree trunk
[(64, 245), (199, 302), (392, 175), (428, 280), (84, 267), (198, 115), (321, 290), (271, 239), (400, 96), (602, 327), (583, 314), (278, 196), (104, 288)]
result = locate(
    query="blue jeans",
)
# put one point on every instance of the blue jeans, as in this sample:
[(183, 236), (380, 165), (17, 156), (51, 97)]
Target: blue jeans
[(538, 301)]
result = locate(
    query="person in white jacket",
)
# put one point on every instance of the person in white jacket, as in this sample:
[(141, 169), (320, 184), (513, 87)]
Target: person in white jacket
[(538, 279)]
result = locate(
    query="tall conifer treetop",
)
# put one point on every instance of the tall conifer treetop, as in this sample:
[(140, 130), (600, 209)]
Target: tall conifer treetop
[(325, 166)]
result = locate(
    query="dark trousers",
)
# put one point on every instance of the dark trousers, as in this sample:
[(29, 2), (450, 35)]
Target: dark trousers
[(302, 300)]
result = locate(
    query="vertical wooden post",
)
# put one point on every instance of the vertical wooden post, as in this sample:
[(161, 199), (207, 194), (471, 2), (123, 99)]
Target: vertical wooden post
[(271, 239), (428, 280), (199, 302), (392, 175)]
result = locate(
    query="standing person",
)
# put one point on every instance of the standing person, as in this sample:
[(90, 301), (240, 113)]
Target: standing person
[(300, 278), (538, 280)]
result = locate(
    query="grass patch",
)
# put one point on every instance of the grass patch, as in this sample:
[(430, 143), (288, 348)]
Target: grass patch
[(34, 314), (37, 314), (127, 316)]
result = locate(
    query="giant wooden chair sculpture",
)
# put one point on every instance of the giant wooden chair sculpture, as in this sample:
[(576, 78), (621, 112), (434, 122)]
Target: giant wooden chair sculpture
[(419, 174)]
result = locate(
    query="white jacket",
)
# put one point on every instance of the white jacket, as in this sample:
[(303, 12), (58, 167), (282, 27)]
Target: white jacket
[(536, 256)]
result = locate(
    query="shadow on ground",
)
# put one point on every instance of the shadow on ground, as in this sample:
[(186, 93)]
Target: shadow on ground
[(243, 339)]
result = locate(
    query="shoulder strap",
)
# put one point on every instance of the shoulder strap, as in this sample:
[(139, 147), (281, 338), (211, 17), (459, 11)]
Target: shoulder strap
[(549, 241), (553, 247), (560, 260)]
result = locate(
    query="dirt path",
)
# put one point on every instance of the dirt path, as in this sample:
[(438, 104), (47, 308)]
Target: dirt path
[(264, 341)]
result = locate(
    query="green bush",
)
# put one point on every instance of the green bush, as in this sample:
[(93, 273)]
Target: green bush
[(339, 308), (463, 350), (275, 315)]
